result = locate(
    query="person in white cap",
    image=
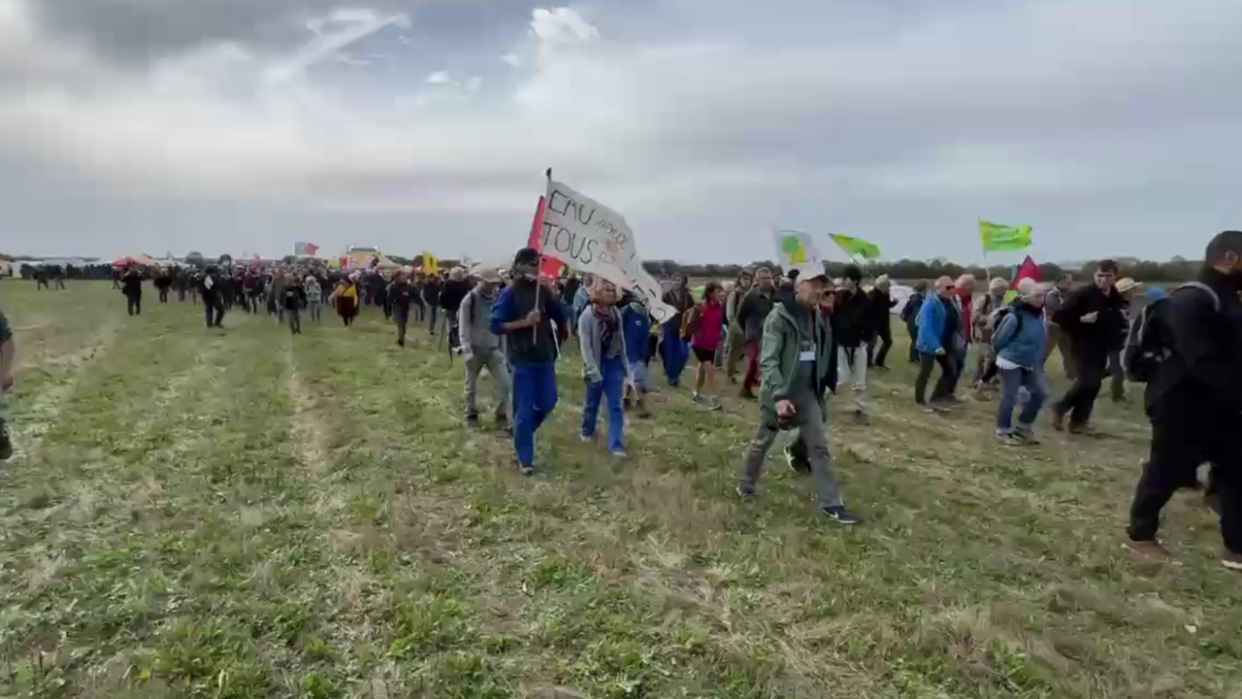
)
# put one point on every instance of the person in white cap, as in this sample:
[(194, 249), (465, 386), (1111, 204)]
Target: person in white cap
[(480, 347), (1130, 290)]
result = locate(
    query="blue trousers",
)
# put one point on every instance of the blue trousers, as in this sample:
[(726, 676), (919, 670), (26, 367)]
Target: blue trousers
[(674, 351), (613, 388), (1012, 380), (534, 398)]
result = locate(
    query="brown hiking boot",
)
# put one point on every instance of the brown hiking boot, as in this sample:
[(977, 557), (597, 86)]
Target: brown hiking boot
[(1083, 430), (1151, 550), (1058, 421)]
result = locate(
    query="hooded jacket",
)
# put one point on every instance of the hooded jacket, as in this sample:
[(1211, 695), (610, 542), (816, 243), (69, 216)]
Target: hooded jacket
[(474, 320), (782, 344), (1020, 336)]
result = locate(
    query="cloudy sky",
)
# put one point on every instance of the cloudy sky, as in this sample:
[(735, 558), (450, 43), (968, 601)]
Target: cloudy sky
[(243, 126)]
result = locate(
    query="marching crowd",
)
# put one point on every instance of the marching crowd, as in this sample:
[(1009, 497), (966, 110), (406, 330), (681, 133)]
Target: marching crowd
[(793, 341)]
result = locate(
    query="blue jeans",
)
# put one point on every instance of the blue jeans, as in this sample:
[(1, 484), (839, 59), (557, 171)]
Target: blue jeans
[(674, 351), (534, 398), (613, 388), (1011, 381)]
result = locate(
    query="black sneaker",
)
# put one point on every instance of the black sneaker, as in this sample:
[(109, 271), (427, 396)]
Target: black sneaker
[(527, 469), (6, 444), (746, 494), (799, 466), (841, 515), (472, 421), (401, 342)]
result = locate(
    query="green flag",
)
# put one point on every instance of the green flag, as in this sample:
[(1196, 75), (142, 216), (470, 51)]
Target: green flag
[(856, 246), (998, 238)]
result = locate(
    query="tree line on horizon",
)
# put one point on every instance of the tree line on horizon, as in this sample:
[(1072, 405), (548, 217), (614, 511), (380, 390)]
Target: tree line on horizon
[(1174, 270)]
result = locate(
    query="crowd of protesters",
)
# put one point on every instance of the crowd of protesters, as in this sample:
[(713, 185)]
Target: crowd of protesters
[(791, 342)]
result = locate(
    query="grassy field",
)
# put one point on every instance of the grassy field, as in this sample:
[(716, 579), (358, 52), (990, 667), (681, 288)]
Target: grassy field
[(243, 513)]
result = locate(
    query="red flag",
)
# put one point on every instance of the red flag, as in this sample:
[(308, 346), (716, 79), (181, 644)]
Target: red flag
[(1027, 270), (311, 249), (548, 266)]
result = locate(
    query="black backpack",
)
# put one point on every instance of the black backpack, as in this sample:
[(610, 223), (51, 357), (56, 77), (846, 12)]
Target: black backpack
[(1149, 343), (994, 322)]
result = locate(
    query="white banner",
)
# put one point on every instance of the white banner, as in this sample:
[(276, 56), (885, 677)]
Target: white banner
[(591, 238)]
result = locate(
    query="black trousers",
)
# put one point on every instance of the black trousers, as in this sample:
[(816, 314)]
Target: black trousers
[(1079, 401), (885, 337), (163, 295), (402, 318), (134, 305), (213, 310), (914, 342), (1184, 436), (946, 383)]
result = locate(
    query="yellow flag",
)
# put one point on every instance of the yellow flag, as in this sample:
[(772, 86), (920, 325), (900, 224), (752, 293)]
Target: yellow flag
[(431, 263)]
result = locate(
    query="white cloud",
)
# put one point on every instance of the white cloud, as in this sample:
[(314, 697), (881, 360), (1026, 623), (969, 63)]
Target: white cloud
[(700, 140)]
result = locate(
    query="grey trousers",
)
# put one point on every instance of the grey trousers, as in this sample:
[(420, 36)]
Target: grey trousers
[(494, 362), (813, 434)]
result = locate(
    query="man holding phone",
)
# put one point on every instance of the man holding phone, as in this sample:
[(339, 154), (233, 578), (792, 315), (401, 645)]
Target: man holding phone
[(1094, 319), (795, 364)]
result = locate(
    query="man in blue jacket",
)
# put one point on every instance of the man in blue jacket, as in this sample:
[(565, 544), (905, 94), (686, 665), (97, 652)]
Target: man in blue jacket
[(939, 323), (524, 314)]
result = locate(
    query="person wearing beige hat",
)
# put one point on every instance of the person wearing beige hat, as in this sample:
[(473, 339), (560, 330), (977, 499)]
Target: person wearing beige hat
[(1130, 291), (480, 347)]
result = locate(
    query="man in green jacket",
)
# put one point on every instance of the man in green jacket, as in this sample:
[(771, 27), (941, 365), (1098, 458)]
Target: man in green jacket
[(795, 363)]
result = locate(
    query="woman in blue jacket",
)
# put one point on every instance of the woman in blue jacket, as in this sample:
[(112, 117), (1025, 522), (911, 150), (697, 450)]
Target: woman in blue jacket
[(1019, 342), (939, 323)]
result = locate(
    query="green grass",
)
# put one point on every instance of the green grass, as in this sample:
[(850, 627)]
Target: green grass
[(247, 514)]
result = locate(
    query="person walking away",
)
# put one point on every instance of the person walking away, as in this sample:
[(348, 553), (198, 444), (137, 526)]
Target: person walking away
[(314, 297), (480, 348), (523, 315), (735, 349), (131, 287), (880, 305), (8, 352), (401, 296), (756, 307), (163, 282), (1018, 342), (431, 297), (910, 316), (673, 350), (703, 327), (1193, 397), (636, 327), (851, 326), (939, 323), (1058, 339), (796, 365), (1130, 292), (604, 365), (981, 324), (1093, 317), (41, 276), (451, 295)]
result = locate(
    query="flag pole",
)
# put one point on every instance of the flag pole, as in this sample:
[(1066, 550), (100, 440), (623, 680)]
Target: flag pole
[(539, 268), (987, 268)]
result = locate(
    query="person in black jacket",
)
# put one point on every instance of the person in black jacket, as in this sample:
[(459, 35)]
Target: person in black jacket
[(879, 306), (1094, 318), (910, 315), (209, 287), (851, 327), (294, 299), (131, 287), (401, 294), (431, 297), (756, 306), (451, 295), (1194, 401)]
